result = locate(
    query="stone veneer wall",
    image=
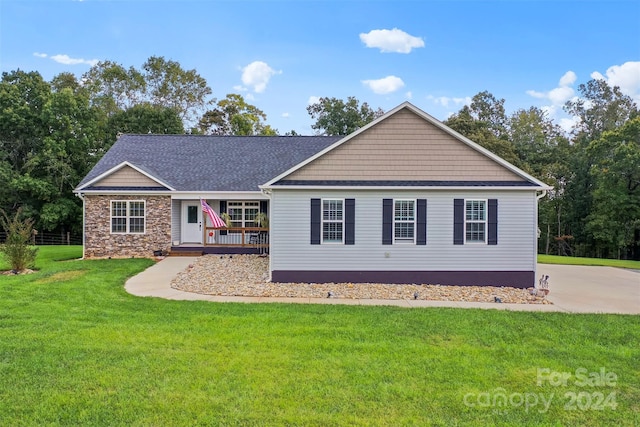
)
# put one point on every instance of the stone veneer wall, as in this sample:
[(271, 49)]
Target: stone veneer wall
[(100, 243)]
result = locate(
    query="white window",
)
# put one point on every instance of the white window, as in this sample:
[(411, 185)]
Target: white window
[(475, 221), (332, 221), (404, 221), (243, 214), (127, 216)]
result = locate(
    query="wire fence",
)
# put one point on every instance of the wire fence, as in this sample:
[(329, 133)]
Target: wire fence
[(44, 239)]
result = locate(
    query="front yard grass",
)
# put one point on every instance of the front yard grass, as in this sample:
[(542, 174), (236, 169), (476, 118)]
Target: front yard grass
[(76, 349), (568, 260)]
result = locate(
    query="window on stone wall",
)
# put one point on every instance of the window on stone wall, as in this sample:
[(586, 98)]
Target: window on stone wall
[(127, 216)]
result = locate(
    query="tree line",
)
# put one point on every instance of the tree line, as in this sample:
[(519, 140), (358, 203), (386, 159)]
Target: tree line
[(53, 132)]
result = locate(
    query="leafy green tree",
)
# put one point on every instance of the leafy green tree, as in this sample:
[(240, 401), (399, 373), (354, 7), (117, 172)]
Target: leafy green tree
[(599, 108), (145, 118), (169, 85), (534, 137), (234, 116), (334, 116), (67, 80), (23, 97), (47, 144), (614, 220), (489, 110), (65, 157), (553, 209), (543, 150), (480, 132), (112, 87)]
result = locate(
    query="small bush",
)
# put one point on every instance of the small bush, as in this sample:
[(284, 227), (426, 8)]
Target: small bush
[(16, 249)]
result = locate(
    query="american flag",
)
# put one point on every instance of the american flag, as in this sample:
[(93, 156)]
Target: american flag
[(216, 221)]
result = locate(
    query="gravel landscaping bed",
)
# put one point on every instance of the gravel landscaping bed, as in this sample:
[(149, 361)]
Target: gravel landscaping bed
[(247, 275)]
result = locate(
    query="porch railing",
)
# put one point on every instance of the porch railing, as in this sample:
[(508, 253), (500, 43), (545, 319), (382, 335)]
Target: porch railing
[(257, 237)]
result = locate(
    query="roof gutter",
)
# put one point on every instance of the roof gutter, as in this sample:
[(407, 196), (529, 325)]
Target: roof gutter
[(396, 187)]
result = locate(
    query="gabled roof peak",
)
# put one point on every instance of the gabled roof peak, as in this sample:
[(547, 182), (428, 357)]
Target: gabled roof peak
[(427, 118)]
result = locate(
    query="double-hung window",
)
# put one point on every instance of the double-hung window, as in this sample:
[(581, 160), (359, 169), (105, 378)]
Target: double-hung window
[(475, 221), (127, 216), (243, 214), (404, 221), (332, 221)]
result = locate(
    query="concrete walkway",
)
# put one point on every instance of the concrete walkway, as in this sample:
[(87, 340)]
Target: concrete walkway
[(573, 289)]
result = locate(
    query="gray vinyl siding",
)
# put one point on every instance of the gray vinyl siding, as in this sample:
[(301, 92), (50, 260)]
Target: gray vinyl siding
[(176, 211), (291, 248)]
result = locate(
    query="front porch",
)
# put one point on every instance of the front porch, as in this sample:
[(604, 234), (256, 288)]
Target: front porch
[(228, 240), (247, 230)]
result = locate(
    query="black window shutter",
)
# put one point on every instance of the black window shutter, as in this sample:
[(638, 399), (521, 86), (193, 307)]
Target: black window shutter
[(263, 207), (493, 222), (387, 221), (315, 221), (349, 221), (421, 229), (223, 209), (458, 221)]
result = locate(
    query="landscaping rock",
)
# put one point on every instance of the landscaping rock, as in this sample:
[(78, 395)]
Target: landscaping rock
[(247, 275)]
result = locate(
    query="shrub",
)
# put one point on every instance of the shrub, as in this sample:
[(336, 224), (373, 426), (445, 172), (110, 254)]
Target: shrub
[(16, 249)]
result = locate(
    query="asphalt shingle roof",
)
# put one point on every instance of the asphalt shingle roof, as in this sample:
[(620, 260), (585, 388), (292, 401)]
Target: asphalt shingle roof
[(211, 163)]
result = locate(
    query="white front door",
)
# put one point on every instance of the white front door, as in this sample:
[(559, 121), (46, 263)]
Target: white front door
[(191, 222)]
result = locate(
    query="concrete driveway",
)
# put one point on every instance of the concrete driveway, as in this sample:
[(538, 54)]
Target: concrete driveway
[(585, 289), (573, 289)]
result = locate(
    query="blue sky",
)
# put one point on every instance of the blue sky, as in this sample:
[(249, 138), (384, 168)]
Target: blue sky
[(281, 54)]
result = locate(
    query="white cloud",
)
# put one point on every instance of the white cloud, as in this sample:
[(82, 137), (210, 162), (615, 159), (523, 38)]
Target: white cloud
[(285, 115), (568, 79), (557, 97), (249, 97), (385, 85), (445, 101), (240, 88), (391, 40), (536, 94), (625, 76), (561, 94), (408, 95), (257, 74), (66, 59), (313, 100)]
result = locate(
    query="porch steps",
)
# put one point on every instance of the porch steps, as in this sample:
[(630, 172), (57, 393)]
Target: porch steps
[(191, 252)]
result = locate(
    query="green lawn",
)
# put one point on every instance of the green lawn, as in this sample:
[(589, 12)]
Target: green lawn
[(555, 259), (76, 349)]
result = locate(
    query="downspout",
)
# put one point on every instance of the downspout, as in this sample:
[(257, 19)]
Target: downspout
[(267, 192), (535, 264), (81, 196)]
